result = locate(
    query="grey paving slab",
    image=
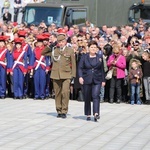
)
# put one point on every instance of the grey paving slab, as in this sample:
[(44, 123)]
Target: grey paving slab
[(33, 125)]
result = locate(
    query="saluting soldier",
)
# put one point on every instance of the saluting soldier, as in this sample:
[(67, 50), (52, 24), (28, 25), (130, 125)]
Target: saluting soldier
[(63, 70)]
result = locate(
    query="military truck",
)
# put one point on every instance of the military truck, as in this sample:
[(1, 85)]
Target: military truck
[(99, 12), (58, 13), (140, 10)]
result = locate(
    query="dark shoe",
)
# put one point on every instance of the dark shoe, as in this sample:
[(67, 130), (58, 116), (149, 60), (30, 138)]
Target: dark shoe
[(2, 97), (25, 96), (147, 102), (111, 101), (118, 101), (47, 97), (96, 117), (63, 116), (88, 118), (59, 115)]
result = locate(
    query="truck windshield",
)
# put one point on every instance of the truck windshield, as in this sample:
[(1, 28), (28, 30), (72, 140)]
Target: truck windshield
[(35, 15), (145, 13)]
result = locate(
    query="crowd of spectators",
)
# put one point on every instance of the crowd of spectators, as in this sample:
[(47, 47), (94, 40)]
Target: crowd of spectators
[(134, 47)]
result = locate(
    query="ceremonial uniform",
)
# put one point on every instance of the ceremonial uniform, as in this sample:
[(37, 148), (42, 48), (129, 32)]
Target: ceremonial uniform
[(40, 68), (47, 88), (29, 52), (18, 69), (63, 70), (3, 67), (27, 48)]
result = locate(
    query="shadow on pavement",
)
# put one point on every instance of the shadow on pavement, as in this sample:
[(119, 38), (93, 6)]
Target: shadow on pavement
[(79, 117)]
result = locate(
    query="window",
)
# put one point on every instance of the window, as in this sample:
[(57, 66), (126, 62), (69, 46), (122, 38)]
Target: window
[(47, 14), (79, 16)]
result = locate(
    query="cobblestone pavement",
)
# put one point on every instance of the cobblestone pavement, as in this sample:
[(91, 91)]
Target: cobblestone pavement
[(32, 125)]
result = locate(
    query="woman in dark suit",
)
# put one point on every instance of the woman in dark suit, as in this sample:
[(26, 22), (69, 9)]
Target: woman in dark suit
[(91, 76)]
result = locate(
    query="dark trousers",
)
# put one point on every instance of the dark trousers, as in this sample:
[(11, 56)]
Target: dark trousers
[(47, 88), (39, 83), (2, 81), (26, 81), (16, 13), (115, 84), (91, 92), (18, 80), (9, 85)]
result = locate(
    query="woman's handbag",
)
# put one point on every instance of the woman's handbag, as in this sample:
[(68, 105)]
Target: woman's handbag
[(109, 74), (80, 97)]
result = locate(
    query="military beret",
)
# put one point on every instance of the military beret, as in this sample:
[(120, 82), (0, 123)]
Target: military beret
[(61, 31), (40, 38), (61, 37), (46, 35), (4, 38), (18, 41), (22, 33)]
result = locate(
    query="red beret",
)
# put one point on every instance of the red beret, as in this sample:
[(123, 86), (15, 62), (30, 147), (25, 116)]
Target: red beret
[(22, 33), (4, 38), (61, 31), (46, 35), (15, 24), (40, 37), (18, 40)]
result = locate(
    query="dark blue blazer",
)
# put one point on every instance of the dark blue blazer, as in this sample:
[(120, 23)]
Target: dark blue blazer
[(89, 73)]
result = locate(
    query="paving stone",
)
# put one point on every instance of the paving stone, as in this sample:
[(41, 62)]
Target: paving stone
[(33, 125)]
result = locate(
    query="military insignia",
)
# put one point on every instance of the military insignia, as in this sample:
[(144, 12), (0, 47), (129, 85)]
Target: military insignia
[(100, 59)]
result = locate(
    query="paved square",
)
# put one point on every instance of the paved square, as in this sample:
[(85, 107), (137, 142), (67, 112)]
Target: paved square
[(32, 125)]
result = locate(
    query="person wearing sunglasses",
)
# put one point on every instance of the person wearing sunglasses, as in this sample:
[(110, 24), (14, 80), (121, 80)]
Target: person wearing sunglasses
[(136, 52)]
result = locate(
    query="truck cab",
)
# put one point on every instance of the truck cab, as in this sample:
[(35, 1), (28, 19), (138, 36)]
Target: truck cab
[(60, 14), (140, 10)]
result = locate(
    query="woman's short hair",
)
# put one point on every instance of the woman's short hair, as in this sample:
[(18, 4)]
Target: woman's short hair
[(92, 43)]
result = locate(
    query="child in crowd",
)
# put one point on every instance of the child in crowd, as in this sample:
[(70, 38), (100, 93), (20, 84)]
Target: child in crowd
[(146, 75), (135, 76)]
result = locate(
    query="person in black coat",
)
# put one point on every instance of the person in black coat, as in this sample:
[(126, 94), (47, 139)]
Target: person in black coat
[(91, 76), (7, 16)]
